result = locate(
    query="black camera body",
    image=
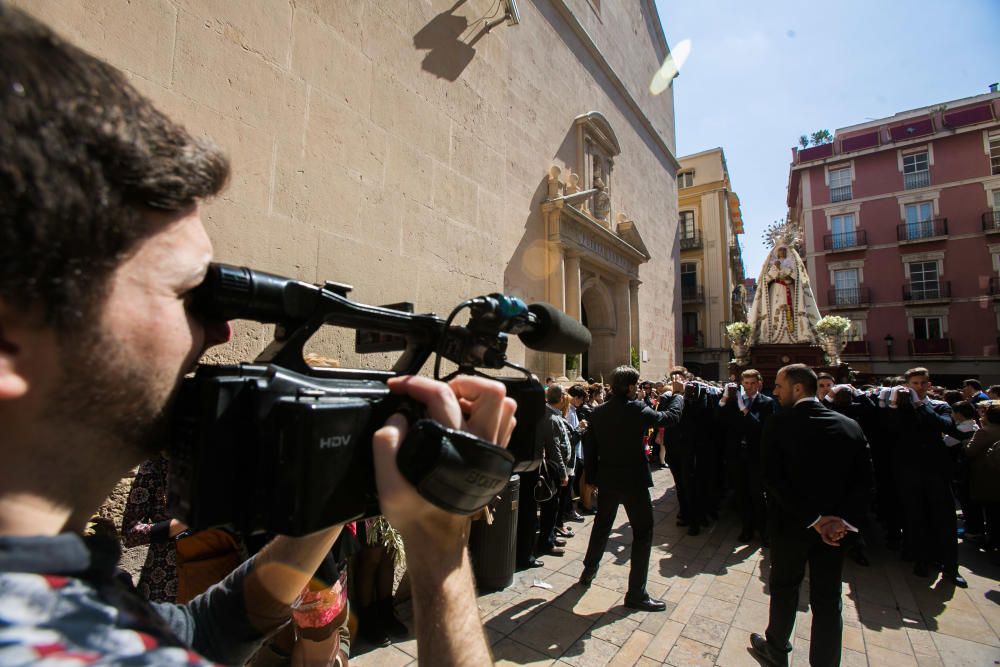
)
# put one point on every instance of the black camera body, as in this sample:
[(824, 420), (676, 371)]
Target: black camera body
[(279, 446)]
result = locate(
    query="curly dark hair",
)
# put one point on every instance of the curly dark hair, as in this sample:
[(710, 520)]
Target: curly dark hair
[(85, 157)]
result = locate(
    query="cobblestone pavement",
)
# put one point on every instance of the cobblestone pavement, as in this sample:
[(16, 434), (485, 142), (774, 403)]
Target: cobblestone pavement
[(716, 594)]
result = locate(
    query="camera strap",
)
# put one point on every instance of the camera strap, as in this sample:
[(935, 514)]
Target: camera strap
[(454, 470)]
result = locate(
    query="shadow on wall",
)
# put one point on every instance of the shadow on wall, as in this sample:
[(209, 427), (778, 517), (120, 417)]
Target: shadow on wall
[(448, 54), (525, 273)]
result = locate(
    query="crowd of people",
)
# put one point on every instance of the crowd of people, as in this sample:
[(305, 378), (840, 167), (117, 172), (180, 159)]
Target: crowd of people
[(930, 447)]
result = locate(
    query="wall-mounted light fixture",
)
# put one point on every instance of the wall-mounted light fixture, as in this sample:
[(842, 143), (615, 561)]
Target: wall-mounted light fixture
[(511, 15)]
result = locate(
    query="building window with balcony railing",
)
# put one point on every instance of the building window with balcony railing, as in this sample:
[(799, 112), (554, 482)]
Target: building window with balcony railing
[(689, 237), (991, 219), (919, 223), (689, 329), (928, 328), (846, 291), (840, 184), (844, 235), (995, 154), (916, 173), (924, 281)]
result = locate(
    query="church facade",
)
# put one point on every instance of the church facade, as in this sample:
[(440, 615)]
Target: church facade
[(424, 152)]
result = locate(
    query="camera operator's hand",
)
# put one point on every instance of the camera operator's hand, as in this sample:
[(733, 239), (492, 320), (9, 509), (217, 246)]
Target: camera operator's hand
[(475, 405), (447, 620)]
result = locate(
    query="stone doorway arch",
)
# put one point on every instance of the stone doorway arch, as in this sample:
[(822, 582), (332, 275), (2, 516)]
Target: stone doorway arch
[(598, 315)]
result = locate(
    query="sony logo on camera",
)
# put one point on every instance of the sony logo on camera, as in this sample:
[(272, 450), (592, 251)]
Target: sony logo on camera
[(335, 441), (483, 481)]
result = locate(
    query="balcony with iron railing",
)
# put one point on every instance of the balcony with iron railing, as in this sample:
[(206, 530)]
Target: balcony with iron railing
[(691, 241), (991, 222), (692, 294), (852, 240), (842, 193), (693, 340), (930, 346), (926, 291), (848, 297), (856, 348), (916, 179), (923, 230)]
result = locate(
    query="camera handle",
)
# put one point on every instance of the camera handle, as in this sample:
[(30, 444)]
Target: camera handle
[(454, 470)]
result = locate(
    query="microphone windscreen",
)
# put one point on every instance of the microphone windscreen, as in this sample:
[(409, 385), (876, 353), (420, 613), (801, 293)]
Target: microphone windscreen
[(555, 332)]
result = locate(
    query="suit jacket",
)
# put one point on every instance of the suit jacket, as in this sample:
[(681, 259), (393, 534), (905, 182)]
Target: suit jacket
[(984, 482), (746, 428), (555, 442), (917, 431), (613, 455), (816, 463)]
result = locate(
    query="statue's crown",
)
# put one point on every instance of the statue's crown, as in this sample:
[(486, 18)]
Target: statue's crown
[(782, 233)]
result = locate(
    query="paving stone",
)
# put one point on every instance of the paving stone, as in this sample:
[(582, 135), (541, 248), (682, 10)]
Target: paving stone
[(735, 651), (751, 616), (590, 650), (894, 639), (957, 652), (878, 655), (630, 653), (551, 631), (663, 641), (717, 610), (706, 631), (614, 629), (690, 653), (509, 652)]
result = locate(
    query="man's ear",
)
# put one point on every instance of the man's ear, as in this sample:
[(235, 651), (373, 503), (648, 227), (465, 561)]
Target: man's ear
[(13, 384)]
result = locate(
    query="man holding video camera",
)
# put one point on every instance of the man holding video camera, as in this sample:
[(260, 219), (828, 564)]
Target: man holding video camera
[(101, 245)]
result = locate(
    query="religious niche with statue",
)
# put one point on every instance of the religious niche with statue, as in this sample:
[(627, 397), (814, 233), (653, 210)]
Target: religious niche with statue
[(784, 326)]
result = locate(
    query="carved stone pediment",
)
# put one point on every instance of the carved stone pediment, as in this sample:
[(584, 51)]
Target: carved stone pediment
[(628, 230)]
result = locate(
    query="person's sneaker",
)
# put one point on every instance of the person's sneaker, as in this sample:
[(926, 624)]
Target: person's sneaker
[(574, 516), (528, 564), (587, 576), (645, 603), (565, 531), (765, 653), (553, 551)]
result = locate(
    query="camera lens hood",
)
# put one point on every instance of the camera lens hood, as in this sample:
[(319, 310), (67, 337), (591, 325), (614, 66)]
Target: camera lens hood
[(454, 470)]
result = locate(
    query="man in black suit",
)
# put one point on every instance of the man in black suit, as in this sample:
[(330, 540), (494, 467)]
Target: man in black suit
[(615, 461), (924, 469), (817, 471), (745, 414)]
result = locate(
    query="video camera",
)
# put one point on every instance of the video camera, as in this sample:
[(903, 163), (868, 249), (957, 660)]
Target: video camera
[(279, 446)]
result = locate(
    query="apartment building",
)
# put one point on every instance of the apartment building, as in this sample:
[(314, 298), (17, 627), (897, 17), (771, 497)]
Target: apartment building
[(711, 268), (901, 217)]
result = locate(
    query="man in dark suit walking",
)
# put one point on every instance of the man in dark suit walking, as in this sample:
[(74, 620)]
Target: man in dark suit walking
[(745, 412), (817, 471), (615, 461)]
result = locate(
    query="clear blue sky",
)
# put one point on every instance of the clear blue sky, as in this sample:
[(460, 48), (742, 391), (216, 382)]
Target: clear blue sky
[(762, 73)]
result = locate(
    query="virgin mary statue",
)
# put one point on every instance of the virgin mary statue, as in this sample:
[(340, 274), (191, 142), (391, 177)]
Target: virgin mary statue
[(784, 308)]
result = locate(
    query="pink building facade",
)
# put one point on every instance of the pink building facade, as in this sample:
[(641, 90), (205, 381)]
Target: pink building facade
[(901, 218)]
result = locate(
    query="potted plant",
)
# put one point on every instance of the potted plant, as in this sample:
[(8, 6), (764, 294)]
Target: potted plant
[(832, 331), (739, 335)]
